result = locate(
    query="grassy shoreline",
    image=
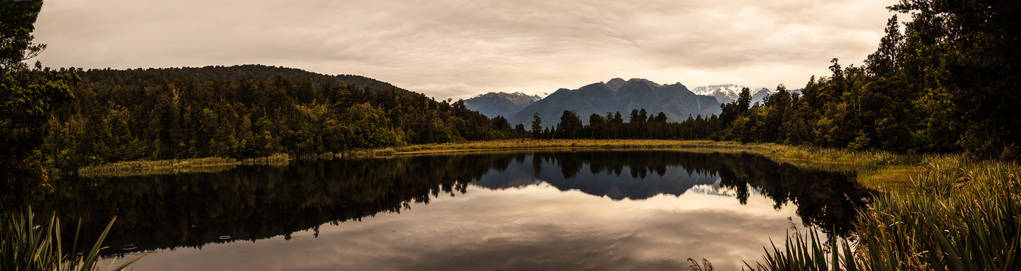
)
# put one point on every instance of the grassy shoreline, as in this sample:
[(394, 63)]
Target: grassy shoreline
[(875, 169), (878, 170), (178, 166)]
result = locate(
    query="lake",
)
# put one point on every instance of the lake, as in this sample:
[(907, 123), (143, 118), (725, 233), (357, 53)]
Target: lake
[(610, 210)]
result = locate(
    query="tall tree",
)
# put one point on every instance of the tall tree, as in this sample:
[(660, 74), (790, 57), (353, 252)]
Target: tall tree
[(661, 117), (884, 60), (26, 96), (634, 116), (744, 100), (596, 120), (17, 21), (963, 56), (536, 125), (500, 123), (570, 125)]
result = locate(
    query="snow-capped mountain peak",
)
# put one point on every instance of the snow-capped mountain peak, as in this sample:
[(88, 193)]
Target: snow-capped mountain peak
[(724, 93), (727, 93)]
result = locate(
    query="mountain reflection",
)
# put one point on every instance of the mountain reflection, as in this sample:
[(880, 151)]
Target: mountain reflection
[(253, 203), (824, 199), (600, 174)]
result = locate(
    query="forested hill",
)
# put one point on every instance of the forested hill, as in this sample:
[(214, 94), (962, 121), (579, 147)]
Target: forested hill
[(244, 111)]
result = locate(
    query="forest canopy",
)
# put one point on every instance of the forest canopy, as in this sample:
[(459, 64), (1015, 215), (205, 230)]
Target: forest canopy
[(245, 111), (946, 82)]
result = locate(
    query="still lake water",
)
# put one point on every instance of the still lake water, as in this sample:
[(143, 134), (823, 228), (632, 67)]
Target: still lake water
[(546, 211)]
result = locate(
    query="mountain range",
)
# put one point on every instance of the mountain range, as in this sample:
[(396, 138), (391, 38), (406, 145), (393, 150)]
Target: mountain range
[(494, 104), (616, 95)]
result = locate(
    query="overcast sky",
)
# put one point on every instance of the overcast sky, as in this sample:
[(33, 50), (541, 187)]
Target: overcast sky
[(459, 48)]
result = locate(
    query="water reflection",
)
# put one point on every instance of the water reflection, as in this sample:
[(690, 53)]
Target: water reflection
[(545, 210)]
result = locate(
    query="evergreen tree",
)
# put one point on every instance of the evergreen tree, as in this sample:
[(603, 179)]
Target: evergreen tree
[(661, 117), (596, 120), (744, 100), (500, 123), (570, 125), (27, 96), (536, 125)]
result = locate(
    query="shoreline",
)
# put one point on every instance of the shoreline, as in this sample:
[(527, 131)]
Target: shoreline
[(877, 170)]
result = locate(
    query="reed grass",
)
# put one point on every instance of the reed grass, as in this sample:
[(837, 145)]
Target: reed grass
[(954, 214), (807, 251), (25, 245)]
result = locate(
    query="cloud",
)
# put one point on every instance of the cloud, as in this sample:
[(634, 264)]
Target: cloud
[(528, 228), (457, 48)]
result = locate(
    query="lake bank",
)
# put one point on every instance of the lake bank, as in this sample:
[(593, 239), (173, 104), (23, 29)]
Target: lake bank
[(877, 170)]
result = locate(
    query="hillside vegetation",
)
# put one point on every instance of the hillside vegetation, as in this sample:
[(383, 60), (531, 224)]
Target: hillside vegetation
[(242, 112)]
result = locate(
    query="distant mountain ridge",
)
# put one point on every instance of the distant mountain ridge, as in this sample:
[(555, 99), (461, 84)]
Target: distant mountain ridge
[(619, 95), (504, 104), (728, 93)]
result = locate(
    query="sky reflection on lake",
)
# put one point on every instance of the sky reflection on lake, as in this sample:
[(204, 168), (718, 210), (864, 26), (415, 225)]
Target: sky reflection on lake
[(530, 214)]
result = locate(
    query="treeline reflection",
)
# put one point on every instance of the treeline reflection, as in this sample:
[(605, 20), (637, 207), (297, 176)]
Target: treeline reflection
[(252, 203)]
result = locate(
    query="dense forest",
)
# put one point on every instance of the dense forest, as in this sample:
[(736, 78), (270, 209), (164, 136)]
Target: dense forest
[(70, 117), (640, 125), (245, 111), (947, 82)]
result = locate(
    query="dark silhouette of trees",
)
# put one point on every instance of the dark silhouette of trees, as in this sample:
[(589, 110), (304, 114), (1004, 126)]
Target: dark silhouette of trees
[(246, 111), (536, 125), (570, 125), (947, 82), (520, 130), (500, 123), (661, 118), (635, 117), (27, 95), (612, 126)]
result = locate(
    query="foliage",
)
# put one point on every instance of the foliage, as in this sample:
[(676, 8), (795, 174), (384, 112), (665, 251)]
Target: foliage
[(806, 251), (640, 126), (245, 111), (948, 82), (956, 214), (25, 245), (17, 19), (27, 96)]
